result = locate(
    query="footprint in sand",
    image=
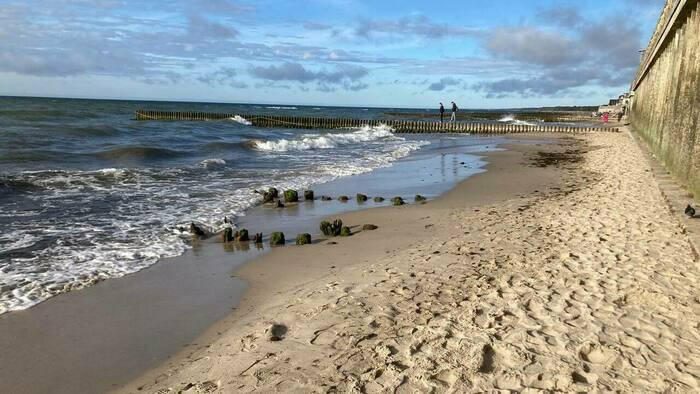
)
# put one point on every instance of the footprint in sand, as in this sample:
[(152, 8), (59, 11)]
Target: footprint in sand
[(488, 359)]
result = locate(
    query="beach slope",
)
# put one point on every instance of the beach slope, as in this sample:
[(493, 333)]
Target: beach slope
[(561, 268)]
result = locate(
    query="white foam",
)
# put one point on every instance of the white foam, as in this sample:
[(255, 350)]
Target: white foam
[(141, 230), (213, 163), (241, 120), (507, 118), (510, 118), (325, 141), (284, 108)]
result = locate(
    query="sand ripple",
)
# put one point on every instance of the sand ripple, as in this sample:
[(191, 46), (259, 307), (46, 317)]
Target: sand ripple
[(592, 288)]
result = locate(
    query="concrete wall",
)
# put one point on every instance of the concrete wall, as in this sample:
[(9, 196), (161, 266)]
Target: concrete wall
[(666, 105)]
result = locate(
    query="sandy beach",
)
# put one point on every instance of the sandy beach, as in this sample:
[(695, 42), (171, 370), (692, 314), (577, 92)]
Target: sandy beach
[(575, 276)]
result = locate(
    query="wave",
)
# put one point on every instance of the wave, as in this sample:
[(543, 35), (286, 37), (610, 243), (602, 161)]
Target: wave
[(241, 120), (101, 130), (225, 146), (137, 152), (284, 108), (511, 119), (22, 155), (213, 163), (324, 141), (507, 118)]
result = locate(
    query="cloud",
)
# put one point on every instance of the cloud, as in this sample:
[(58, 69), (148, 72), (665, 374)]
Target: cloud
[(443, 83), (419, 25), (203, 28), (565, 16), (316, 26), (528, 44), (221, 77), (90, 37), (555, 61), (345, 76)]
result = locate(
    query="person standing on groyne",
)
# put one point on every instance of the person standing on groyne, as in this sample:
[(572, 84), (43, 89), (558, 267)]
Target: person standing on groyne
[(454, 112), (442, 112)]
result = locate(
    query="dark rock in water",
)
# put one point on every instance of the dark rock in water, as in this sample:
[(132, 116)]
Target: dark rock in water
[(196, 230), (304, 239), (420, 198), (309, 195), (242, 235), (258, 238), (378, 199), (279, 204), (343, 198), (369, 227), (345, 231), (277, 332), (361, 197), (268, 198), (277, 238), (397, 201), (331, 229), (325, 228), (291, 196), (270, 195), (227, 236), (326, 198)]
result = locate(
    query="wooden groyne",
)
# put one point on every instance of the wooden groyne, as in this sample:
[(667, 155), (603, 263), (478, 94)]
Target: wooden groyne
[(536, 116), (400, 126)]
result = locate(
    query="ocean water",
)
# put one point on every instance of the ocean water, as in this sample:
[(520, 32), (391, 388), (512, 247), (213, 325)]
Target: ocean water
[(87, 193)]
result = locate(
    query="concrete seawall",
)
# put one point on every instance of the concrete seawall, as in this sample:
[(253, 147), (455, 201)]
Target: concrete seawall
[(665, 108)]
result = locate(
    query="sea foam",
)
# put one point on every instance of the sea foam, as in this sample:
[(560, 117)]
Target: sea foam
[(511, 119), (241, 120), (325, 141)]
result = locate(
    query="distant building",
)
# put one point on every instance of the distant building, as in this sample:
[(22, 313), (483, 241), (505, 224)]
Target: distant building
[(616, 106)]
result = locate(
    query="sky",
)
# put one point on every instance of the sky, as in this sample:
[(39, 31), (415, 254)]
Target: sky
[(479, 53)]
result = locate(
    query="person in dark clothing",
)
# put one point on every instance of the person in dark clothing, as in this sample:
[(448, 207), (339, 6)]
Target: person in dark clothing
[(442, 112), (454, 112)]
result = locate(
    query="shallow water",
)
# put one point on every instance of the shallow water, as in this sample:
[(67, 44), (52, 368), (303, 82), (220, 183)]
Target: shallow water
[(87, 193)]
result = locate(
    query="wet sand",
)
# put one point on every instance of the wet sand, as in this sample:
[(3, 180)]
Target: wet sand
[(571, 275), (101, 337), (284, 270)]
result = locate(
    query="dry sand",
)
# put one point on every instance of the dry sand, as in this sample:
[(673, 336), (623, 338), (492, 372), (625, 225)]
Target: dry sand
[(588, 283)]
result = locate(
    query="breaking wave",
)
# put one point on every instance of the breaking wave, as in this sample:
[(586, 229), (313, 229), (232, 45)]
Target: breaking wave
[(511, 119), (241, 120), (325, 141)]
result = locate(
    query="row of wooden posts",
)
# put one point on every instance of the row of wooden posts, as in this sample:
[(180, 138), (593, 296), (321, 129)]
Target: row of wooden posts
[(399, 126)]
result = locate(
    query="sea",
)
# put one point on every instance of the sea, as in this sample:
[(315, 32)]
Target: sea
[(88, 193)]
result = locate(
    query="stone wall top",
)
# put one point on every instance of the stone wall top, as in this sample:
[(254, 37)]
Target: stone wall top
[(670, 12)]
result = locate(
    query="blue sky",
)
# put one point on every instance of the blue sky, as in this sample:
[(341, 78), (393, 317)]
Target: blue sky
[(482, 54)]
